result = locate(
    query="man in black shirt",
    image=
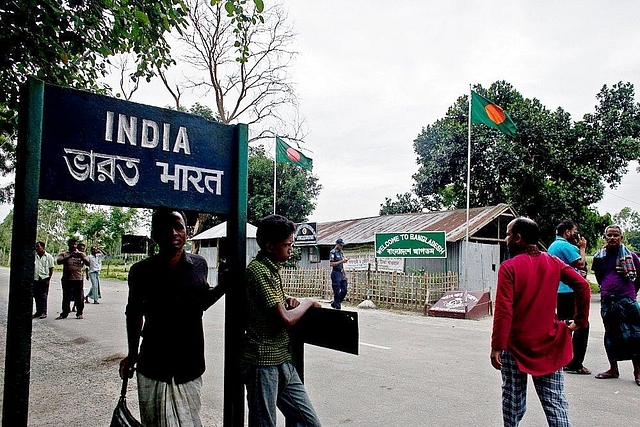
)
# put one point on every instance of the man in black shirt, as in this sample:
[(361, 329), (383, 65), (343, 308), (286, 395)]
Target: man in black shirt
[(168, 293)]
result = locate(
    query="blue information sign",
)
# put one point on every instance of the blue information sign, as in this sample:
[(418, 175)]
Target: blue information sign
[(102, 150)]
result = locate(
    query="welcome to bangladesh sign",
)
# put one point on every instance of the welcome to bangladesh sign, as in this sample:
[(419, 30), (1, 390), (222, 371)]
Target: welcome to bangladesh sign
[(427, 244)]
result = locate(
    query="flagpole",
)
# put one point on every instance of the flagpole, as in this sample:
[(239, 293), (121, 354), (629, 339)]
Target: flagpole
[(275, 163), (466, 246)]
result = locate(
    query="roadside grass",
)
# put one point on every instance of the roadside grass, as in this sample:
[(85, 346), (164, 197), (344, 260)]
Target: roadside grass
[(117, 272)]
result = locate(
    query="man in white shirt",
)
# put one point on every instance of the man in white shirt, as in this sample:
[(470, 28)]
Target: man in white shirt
[(93, 273), (44, 264)]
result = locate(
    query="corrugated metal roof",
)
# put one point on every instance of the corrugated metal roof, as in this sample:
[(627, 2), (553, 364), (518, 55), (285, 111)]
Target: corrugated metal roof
[(453, 222), (220, 231)]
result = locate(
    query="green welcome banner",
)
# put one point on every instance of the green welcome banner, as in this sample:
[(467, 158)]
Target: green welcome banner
[(427, 244)]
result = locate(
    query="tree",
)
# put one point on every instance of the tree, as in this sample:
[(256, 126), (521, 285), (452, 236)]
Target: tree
[(243, 63), (6, 230), (95, 225), (629, 220), (405, 203), (296, 189), (236, 10), (105, 227), (552, 170), (69, 43), (255, 88)]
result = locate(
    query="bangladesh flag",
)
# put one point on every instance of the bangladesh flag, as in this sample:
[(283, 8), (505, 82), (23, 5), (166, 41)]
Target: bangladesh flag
[(284, 153), (490, 114)]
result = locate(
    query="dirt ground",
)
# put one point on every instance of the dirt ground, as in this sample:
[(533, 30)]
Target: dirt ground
[(74, 377), (69, 374)]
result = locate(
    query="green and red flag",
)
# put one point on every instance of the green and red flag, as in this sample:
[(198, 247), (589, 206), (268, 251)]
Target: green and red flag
[(285, 153), (490, 114)]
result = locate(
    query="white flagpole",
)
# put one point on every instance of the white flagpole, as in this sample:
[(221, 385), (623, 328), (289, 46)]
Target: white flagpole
[(275, 163), (466, 246)]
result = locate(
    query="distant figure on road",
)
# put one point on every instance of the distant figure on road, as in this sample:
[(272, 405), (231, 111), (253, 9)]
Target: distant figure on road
[(527, 337), (93, 273), (72, 261), (44, 265), (571, 248), (338, 278), (168, 294), (616, 269), (266, 360)]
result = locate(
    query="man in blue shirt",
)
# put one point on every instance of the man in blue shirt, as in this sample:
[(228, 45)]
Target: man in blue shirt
[(570, 247), (338, 278)]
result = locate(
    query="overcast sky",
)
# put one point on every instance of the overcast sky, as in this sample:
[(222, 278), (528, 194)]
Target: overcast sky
[(370, 74)]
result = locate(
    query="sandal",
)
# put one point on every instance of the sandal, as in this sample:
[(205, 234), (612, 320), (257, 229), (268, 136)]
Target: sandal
[(581, 371), (606, 375)]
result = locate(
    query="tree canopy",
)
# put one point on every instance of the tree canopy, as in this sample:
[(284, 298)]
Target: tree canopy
[(94, 225), (404, 203), (73, 43), (629, 220), (553, 169), (254, 88), (243, 63), (69, 43), (296, 189)]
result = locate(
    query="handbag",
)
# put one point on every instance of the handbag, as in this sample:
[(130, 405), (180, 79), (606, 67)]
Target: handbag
[(121, 415)]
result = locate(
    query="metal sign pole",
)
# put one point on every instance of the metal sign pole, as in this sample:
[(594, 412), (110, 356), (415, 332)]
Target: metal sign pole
[(15, 408), (82, 147), (235, 295)]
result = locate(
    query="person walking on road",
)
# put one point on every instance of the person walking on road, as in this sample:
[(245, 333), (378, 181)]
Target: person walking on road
[(168, 293), (527, 337), (43, 272), (616, 269), (571, 248), (338, 277)]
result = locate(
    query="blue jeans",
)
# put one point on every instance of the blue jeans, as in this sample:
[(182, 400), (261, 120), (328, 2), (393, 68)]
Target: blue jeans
[(278, 386), (550, 389), (339, 285)]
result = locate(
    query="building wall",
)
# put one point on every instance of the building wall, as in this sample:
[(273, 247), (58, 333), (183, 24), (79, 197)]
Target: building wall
[(434, 265), (484, 260), (209, 251), (308, 256)]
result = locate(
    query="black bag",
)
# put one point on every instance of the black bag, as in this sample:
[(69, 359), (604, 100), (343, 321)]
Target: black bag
[(121, 415)]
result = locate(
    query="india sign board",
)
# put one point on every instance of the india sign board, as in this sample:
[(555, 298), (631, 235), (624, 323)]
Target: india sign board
[(426, 244), (103, 150), (81, 147)]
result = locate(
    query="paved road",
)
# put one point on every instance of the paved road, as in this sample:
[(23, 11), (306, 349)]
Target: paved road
[(412, 371)]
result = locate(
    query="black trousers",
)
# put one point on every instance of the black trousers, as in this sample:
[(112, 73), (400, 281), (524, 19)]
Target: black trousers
[(40, 292), (566, 310), (72, 289)]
